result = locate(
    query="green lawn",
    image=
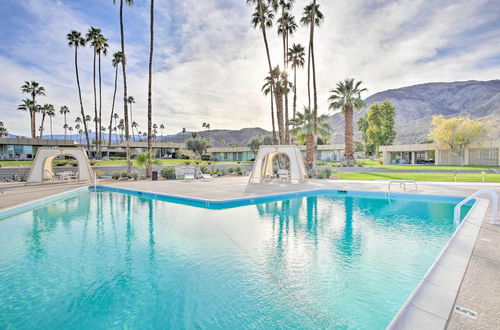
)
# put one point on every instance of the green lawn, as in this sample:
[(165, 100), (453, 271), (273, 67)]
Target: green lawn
[(372, 163), (440, 177)]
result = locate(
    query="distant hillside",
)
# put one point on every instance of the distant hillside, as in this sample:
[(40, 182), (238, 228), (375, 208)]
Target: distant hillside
[(415, 106), (223, 137)]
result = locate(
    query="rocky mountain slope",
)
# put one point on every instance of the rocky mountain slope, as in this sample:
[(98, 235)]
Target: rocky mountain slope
[(415, 106)]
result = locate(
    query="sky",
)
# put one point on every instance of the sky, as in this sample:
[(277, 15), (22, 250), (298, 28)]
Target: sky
[(210, 63)]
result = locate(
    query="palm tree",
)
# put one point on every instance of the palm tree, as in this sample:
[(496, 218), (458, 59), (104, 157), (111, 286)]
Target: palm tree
[(296, 56), (207, 126), (150, 82), (155, 131), (304, 131), (281, 87), (125, 111), (347, 97), (92, 36), (134, 125), (34, 89), (3, 130), (51, 113), (70, 132), (102, 48), (130, 101), (75, 40), (80, 132), (121, 127), (64, 111), (162, 127), (117, 59), (45, 109), (263, 18), (28, 106)]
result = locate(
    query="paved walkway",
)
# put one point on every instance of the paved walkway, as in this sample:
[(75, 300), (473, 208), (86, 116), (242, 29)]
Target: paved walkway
[(480, 289)]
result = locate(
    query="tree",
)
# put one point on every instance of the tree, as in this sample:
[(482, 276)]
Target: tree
[(281, 87), (146, 159), (207, 126), (51, 113), (75, 40), (134, 125), (117, 59), (70, 132), (162, 127), (347, 97), (296, 56), (198, 145), (45, 110), (31, 107), (377, 126), (125, 98), (258, 141), (3, 130), (33, 89), (150, 80), (304, 131), (263, 18), (102, 48), (64, 111), (457, 133)]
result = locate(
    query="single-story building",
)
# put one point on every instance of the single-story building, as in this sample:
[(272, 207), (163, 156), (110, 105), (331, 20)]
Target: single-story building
[(485, 153), (25, 148)]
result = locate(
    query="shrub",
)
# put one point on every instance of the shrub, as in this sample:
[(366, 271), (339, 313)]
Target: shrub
[(124, 174), (99, 173), (204, 169), (229, 169), (238, 169), (324, 172), (134, 175), (380, 161), (168, 173), (197, 162), (205, 157), (116, 175), (185, 156), (187, 162)]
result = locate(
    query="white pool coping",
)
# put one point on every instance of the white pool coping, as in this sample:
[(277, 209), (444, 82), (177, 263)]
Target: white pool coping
[(431, 303)]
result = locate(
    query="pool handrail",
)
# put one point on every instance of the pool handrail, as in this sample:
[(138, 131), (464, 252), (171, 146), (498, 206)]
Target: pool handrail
[(494, 198)]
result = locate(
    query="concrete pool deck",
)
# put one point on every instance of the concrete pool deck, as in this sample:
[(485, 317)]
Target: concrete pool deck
[(478, 289)]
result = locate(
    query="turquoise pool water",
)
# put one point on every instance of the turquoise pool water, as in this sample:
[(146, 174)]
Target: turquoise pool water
[(100, 260)]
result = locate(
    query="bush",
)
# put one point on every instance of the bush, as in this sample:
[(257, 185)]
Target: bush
[(204, 169), (239, 169), (99, 174), (197, 162), (229, 169), (185, 157), (124, 174), (168, 173), (380, 161), (324, 172), (187, 162), (205, 157), (116, 175), (134, 175)]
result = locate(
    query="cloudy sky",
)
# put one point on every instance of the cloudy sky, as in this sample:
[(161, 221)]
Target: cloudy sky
[(210, 63)]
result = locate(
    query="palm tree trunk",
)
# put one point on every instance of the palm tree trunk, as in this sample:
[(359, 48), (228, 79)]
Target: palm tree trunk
[(65, 127), (348, 114), (287, 124), (41, 125), (294, 91), (112, 111), (315, 109), (51, 135), (309, 150), (96, 117), (125, 110), (275, 140), (31, 123), (309, 75), (150, 86), (100, 108), (81, 102), (279, 117)]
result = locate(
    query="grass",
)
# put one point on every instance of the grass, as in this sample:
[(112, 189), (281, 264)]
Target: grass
[(372, 163), (438, 177)]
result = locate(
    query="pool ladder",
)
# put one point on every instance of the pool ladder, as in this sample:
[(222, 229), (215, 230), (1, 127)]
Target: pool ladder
[(494, 197)]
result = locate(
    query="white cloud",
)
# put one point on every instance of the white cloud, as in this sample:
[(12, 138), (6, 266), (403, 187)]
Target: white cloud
[(211, 69)]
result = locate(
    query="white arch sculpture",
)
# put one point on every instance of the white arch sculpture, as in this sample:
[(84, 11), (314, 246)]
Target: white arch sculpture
[(41, 170), (263, 164)]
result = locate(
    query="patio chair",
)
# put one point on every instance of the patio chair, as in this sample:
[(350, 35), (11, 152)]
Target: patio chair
[(201, 175), (188, 176)]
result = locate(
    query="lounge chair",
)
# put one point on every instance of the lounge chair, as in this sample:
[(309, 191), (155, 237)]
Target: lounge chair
[(201, 175), (188, 176)]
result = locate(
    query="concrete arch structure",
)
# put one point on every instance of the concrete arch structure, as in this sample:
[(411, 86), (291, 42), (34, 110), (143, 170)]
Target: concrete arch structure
[(263, 164), (41, 170)]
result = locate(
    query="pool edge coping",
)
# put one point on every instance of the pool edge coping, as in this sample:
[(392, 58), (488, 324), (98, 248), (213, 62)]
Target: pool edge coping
[(431, 303)]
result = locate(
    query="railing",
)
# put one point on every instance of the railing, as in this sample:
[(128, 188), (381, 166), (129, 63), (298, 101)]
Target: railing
[(494, 198)]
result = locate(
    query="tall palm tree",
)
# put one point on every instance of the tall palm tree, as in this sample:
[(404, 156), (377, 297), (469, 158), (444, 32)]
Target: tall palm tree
[(263, 18), (34, 89), (131, 100), (31, 107), (303, 131), (92, 37), (117, 59), (162, 127), (70, 132), (347, 97), (80, 132), (45, 109), (75, 40), (134, 125), (125, 110), (281, 87), (121, 127), (150, 83), (155, 131), (51, 113), (296, 56), (3, 130), (102, 48), (64, 111), (313, 17)]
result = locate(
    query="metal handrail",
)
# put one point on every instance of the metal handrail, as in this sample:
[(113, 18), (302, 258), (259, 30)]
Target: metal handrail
[(494, 198)]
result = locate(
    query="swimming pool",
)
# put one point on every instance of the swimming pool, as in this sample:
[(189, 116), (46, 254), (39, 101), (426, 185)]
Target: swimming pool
[(323, 259)]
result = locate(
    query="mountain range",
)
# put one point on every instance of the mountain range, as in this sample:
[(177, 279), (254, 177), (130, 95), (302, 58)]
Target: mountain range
[(415, 105)]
